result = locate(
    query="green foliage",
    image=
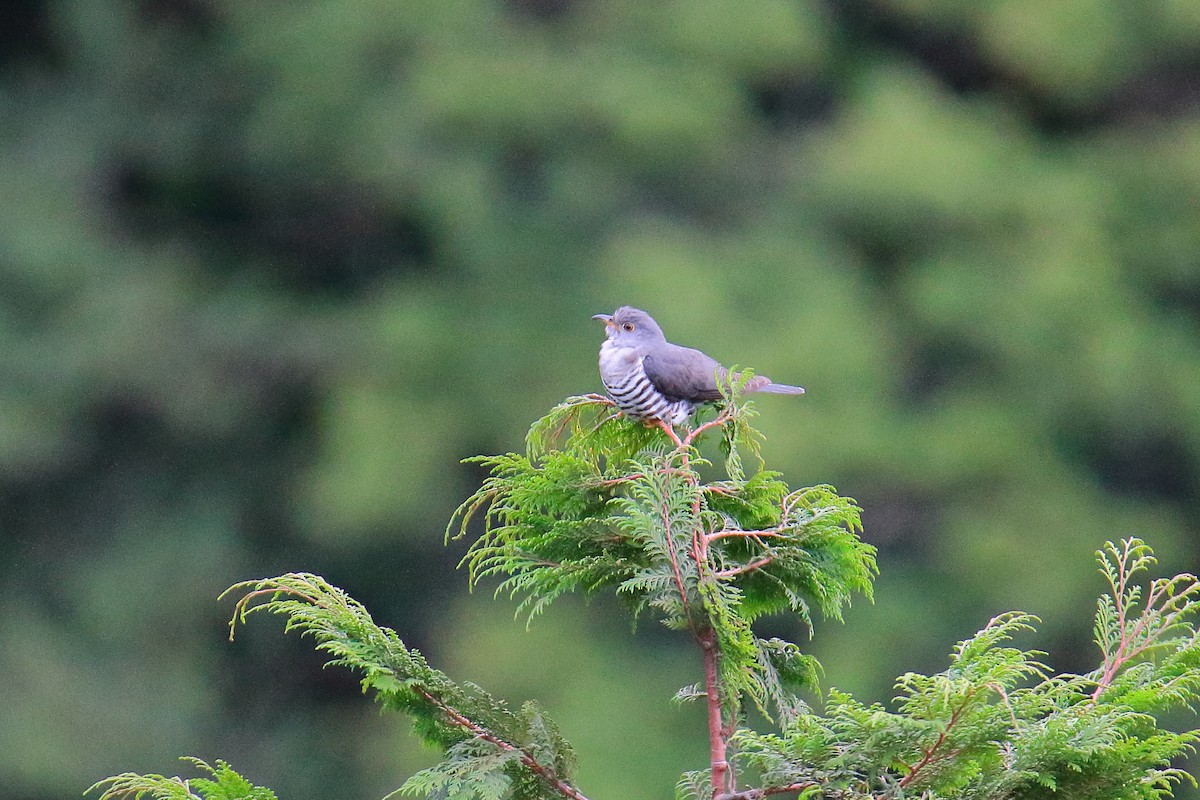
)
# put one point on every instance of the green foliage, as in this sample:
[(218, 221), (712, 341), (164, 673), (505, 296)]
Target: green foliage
[(491, 751), (598, 501), (1151, 655), (995, 724), (982, 730), (590, 428), (225, 784)]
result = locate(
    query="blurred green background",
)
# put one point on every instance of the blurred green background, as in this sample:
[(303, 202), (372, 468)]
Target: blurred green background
[(269, 270)]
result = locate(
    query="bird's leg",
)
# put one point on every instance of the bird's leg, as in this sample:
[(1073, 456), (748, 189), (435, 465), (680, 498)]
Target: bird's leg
[(669, 431)]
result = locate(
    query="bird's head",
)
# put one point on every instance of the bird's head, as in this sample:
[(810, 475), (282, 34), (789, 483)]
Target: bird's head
[(630, 327)]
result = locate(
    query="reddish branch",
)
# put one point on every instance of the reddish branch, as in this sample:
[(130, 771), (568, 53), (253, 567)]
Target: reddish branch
[(699, 552), (753, 565), (719, 732), (725, 415), (683, 595), (717, 735), (758, 536), (631, 477), (1174, 606), (606, 482), (537, 767), (773, 533), (545, 772), (933, 752), (591, 399)]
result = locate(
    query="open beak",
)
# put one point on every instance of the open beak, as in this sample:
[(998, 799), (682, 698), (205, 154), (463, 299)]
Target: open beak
[(606, 319)]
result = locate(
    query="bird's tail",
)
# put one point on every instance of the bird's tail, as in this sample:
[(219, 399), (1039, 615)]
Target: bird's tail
[(761, 383)]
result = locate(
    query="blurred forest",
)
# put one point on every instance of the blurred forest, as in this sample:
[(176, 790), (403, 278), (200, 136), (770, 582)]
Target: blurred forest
[(269, 270)]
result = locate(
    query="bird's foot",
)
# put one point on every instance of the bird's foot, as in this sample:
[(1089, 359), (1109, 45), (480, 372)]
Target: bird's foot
[(666, 428)]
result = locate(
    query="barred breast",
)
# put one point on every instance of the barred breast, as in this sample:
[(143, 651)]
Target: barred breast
[(625, 379)]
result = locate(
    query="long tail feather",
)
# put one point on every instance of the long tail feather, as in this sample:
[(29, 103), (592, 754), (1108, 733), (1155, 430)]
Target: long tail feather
[(761, 383), (780, 388)]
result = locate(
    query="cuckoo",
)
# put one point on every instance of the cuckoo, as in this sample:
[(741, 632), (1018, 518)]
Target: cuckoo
[(651, 379)]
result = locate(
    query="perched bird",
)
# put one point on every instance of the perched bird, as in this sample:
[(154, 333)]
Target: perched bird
[(651, 379)]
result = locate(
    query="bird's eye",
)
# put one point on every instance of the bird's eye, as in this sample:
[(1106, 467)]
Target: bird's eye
[(627, 327)]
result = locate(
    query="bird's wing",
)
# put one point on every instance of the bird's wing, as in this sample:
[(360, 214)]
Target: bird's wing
[(681, 373)]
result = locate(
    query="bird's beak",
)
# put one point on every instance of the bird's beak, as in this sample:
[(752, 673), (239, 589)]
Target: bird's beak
[(606, 319)]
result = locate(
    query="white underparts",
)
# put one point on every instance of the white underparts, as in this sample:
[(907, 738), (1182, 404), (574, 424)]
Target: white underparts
[(627, 384)]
